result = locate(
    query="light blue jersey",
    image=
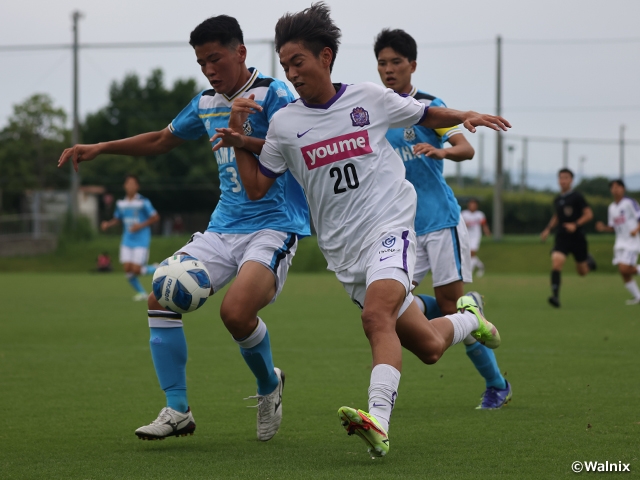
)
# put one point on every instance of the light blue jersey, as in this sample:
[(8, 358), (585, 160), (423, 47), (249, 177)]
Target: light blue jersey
[(129, 212), (284, 207), (437, 205)]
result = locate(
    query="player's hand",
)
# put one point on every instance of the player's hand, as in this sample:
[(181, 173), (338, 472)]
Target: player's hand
[(429, 150), (241, 109), (570, 227), (227, 137), (544, 235), (475, 119), (600, 227), (104, 225), (79, 153)]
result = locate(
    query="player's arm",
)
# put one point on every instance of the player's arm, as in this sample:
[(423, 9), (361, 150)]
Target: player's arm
[(587, 216), (459, 151), (154, 218), (601, 227), (485, 228), (440, 117), (107, 224), (552, 224), (151, 143)]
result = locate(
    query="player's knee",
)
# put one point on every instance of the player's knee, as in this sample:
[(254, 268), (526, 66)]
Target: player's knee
[(237, 319), (373, 322)]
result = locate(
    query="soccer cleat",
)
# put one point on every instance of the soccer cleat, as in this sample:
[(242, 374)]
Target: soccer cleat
[(480, 272), (591, 263), (479, 299), (494, 398), (633, 301), (486, 333), (139, 297), (269, 410), (170, 423), (367, 428), (554, 301)]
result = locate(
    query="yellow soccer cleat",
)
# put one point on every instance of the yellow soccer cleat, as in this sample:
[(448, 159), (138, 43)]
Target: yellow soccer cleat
[(366, 427), (487, 334)]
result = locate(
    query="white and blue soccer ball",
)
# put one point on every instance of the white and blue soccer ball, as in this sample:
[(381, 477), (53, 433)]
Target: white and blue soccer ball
[(181, 284)]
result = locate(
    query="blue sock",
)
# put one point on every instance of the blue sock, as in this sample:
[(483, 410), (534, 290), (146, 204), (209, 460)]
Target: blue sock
[(256, 351), (433, 310), (485, 362), (169, 353), (135, 283), (148, 269)]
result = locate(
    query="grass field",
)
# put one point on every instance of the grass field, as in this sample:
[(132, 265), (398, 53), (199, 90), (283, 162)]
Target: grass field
[(77, 380)]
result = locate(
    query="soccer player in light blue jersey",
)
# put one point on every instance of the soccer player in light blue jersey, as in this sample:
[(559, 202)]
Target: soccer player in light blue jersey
[(136, 214), (442, 238), (251, 241)]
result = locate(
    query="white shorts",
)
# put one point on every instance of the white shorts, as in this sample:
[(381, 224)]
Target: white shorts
[(625, 257), (224, 254), (135, 255), (446, 254), (391, 257)]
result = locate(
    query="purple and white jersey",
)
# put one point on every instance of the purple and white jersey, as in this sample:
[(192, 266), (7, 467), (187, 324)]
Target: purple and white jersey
[(353, 179), (474, 222), (623, 217)]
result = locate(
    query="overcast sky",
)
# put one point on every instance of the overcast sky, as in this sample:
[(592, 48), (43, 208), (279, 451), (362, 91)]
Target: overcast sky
[(571, 68)]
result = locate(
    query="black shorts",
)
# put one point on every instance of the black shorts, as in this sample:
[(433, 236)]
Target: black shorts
[(575, 244)]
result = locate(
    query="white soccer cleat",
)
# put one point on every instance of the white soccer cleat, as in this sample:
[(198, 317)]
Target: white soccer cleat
[(170, 423), (269, 410), (139, 297), (633, 301)]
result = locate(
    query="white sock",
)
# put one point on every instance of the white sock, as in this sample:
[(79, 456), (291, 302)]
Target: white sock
[(469, 340), (474, 262), (463, 325), (479, 263), (383, 391), (420, 303), (632, 286)]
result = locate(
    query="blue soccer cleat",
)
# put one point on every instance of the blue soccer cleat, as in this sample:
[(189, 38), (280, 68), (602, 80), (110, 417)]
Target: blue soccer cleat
[(494, 398)]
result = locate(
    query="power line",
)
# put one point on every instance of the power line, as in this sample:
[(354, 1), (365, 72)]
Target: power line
[(111, 45), (562, 140)]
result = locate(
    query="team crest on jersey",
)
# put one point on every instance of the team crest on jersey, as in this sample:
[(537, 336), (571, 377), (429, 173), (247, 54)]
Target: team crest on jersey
[(568, 210), (389, 242), (409, 134), (359, 117), (248, 130), (281, 92), (207, 124)]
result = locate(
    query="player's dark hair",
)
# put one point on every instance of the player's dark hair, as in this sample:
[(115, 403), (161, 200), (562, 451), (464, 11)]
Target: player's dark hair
[(131, 175), (565, 170), (472, 199), (223, 29), (398, 40), (619, 181), (313, 27)]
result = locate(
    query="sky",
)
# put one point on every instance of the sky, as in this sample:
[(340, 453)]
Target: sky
[(571, 68)]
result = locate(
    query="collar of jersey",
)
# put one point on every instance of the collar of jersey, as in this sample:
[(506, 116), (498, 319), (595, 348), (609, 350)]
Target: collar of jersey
[(245, 87), (340, 88), (413, 92)]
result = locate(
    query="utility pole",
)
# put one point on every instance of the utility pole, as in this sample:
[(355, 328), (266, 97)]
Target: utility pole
[(565, 153), (582, 160), (75, 133), (459, 180), (274, 61), (523, 166), (498, 212), (480, 158), (622, 128)]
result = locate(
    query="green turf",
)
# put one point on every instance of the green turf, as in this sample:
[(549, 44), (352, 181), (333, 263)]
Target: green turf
[(77, 380)]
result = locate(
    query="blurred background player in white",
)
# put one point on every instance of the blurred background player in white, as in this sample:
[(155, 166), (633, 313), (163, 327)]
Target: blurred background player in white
[(442, 243), (136, 214), (333, 142), (253, 242), (572, 212), (624, 219), (476, 225)]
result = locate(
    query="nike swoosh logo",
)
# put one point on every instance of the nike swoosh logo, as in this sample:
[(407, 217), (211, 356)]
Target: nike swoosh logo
[(383, 259), (304, 133), (379, 405)]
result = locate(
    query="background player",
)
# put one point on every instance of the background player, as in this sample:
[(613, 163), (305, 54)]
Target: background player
[(476, 223), (136, 214), (572, 212), (624, 216), (252, 241), (442, 243), (333, 142)]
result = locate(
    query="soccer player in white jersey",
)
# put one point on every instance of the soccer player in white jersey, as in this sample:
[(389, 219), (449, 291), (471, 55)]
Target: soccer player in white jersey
[(251, 241), (333, 142), (136, 214), (442, 244), (624, 219), (476, 223)]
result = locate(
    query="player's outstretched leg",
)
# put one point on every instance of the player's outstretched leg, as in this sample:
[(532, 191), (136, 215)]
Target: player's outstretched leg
[(486, 333), (358, 422), (498, 390)]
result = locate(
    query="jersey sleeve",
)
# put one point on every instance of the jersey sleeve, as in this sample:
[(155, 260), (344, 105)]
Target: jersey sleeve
[(148, 208), (635, 209), (582, 203), (277, 97), (188, 125), (444, 133), (402, 111), (271, 161)]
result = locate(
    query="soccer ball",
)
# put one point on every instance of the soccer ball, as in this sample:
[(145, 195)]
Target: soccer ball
[(181, 283)]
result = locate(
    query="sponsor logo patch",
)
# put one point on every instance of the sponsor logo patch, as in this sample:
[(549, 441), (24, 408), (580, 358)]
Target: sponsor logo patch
[(389, 242), (336, 149)]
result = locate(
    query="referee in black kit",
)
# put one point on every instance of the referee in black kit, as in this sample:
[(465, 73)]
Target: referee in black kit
[(572, 212)]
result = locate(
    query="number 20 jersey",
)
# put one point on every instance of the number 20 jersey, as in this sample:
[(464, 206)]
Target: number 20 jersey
[(284, 207), (354, 180)]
